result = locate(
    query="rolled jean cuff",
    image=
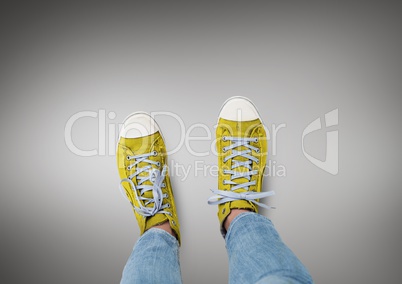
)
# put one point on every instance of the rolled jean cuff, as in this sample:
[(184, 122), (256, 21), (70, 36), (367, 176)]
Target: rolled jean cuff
[(171, 240), (239, 217)]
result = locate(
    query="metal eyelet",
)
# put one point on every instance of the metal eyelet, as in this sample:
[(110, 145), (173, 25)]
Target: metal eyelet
[(128, 158), (173, 222), (256, 139), (154, 153), (168, 205), (224, 138), (158, 164), (224, 149), (258, 150)]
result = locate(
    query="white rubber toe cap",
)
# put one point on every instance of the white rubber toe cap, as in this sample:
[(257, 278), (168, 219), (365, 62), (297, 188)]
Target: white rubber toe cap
[(138, 124), (239, 109)]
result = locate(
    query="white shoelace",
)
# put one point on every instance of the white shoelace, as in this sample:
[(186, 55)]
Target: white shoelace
[(223, 196), (155, 176)]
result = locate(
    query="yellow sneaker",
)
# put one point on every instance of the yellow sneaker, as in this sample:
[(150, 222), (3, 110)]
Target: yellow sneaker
[(241, 143), (142, 163)]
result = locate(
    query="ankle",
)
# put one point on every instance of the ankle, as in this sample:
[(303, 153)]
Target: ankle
[(166, 227), (233, 213)]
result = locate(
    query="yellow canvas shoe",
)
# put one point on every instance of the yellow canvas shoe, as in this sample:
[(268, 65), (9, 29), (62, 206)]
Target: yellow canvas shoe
[(142, 163), (241, 143)]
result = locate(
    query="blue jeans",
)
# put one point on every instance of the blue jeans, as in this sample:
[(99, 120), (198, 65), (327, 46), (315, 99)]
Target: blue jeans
[(256, 255)]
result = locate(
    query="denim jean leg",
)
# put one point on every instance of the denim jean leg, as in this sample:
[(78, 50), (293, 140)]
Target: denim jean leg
[(258, 255), (154, 259)]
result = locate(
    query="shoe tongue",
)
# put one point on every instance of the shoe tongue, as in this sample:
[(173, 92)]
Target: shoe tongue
[(140, 146), (240, 169), (151, 172), (240, 129)]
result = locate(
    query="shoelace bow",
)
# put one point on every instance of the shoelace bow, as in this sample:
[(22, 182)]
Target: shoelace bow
[(155, 176), (223, 196)]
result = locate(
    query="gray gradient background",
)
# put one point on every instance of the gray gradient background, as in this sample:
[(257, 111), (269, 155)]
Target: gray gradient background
[(63, 219)]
